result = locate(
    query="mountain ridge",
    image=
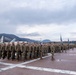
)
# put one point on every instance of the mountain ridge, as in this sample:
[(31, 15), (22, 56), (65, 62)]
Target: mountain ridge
[(12, 36)]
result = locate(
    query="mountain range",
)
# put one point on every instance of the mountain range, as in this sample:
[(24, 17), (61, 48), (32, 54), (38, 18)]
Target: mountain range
[(10, 37)]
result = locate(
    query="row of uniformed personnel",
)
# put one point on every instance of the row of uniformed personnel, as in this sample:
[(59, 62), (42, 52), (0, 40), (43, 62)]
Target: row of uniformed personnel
[(22, 51), (29, 51), (58, 48)]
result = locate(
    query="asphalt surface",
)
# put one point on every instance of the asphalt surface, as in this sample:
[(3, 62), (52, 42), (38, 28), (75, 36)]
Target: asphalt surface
[(64, 64)]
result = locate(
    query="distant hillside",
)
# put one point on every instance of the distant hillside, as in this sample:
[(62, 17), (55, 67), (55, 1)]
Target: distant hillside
[(9, 37), (46, 40)]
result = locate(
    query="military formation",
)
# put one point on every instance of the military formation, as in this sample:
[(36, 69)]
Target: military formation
[(26, 51)]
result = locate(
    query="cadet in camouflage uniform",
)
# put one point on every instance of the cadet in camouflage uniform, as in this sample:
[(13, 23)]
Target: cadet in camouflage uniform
[(62, 48), (40, 50), (28, 49), (35, 51), (8, 49), (68, 46), (23, 49), (43, 50), (59, 48), (52, 51), (18, 51), (4, 52), (65, 48), (13, 51), (32, 52), (46, 49), (49, 48), (0, 51)]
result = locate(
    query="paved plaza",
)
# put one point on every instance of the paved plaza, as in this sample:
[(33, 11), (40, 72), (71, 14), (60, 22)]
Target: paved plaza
[(64, 64)]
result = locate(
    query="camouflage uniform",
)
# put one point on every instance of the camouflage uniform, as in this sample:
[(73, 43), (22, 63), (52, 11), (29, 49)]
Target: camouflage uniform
[(52, 51), (46, 50), (49, 50), (59, 48), (24, 54), (43, 50), (18, 52), (65, 48), (4, 52), (32, 52), (8, 48), (68, 46), (0, 51), (40, 50), (28, 48), (35, 51), (13, 51), (62, 48)]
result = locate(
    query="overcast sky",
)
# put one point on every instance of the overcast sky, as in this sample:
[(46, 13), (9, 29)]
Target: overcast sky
[(39, 19)]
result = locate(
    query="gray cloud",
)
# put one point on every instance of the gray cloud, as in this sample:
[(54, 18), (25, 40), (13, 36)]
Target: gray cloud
[(73, 33), (8, 29), (30, 34), (15, 13), (33, 16)]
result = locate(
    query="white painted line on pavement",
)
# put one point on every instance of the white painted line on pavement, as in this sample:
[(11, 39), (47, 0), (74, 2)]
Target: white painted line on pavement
[(17, 65), (34, 60), (49, 70), (6, 63), (21, 65), (71, 54)]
